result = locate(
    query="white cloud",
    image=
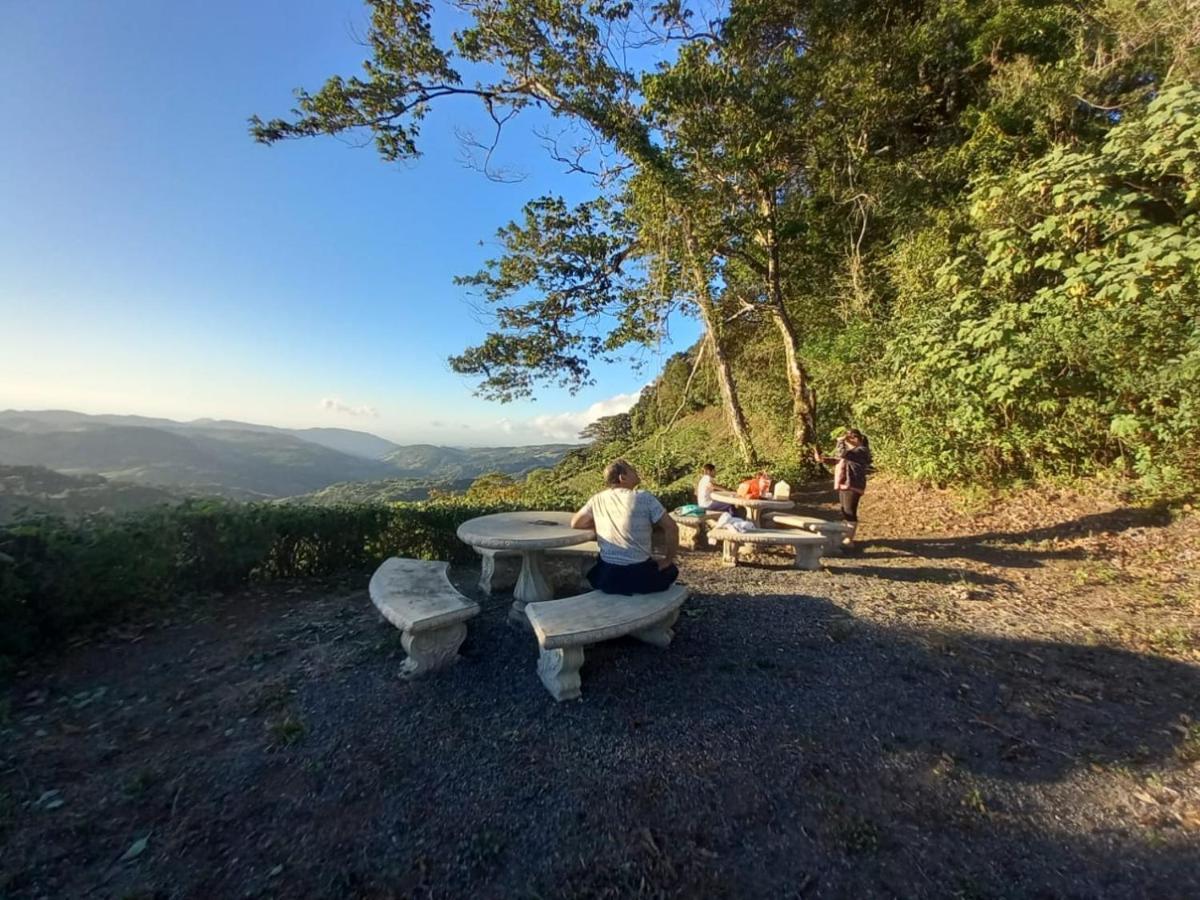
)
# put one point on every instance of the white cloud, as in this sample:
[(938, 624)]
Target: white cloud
[(565, 427), (332, 404)]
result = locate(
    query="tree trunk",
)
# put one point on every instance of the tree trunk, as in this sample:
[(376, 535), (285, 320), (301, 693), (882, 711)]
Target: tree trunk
[(804, 397), (729, 398)]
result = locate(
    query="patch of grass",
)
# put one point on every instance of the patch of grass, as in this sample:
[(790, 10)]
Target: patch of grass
[(1175, 639), (973, 800), (1115, 767), (271, 695), (858, 835), (1187, 751), (943, 766), (139, 782), (1156, 837), (1096, 574), (286, 730)]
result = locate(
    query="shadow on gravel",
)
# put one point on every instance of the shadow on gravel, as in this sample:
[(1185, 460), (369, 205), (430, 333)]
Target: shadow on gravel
[(1014, 549), (779, 748), (924, 574), (1011, 548)]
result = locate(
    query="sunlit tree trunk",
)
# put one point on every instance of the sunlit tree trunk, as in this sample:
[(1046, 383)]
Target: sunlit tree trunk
[(725, 381), (804, 397)]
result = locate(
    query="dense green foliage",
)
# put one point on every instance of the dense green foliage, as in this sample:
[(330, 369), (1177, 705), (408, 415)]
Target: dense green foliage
[(56, 577), (1068, 333), (966, 227)]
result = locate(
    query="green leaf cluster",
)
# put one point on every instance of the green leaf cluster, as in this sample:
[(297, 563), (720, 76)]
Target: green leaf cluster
[(1069, 329)]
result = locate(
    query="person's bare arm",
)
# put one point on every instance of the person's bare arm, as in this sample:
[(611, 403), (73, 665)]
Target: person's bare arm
[(583, 519), (671, 540)]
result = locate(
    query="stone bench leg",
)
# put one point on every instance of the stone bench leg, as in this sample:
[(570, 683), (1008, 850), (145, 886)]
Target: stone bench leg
[(808, 556), (729, 553), (559, 671), (693, 537), (660, 633), (495, 577), (431, 650), (833, 538), (531, 587)]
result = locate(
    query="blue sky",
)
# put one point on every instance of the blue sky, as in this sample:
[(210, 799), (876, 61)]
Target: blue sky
[(155, 260)]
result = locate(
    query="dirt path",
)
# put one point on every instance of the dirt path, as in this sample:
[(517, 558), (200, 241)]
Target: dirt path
[(980, 704)]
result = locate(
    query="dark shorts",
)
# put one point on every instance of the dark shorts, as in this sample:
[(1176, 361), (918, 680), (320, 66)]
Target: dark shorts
[(640, 578), (849, 502)]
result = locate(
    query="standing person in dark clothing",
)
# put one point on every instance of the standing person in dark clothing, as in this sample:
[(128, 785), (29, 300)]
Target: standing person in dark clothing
[(851, 460)]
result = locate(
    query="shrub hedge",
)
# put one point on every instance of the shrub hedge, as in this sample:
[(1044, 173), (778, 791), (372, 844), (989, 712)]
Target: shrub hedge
[(58, 576)]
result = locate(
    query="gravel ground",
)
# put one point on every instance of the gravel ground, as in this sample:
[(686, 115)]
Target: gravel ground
[(944, 714)]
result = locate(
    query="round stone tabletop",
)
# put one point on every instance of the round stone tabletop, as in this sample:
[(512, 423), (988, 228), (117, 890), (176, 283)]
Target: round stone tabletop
[(752, 502), (523, 531)]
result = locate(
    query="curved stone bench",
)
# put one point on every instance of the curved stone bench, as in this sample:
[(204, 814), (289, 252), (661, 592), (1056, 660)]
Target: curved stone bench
[(416, 596), (565, 627), (833, 532), (808, 546), (693, 530)]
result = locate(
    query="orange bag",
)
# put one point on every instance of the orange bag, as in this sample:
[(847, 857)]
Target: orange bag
[(749, 488)]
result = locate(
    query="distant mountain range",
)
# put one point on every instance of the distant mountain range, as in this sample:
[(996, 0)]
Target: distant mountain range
[(239, 459)]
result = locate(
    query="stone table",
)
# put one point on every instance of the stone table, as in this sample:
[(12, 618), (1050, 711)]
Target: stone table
[(753, 507), (530, 534)]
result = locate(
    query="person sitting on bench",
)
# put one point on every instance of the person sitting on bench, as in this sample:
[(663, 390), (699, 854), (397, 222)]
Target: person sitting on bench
[(705, 487), (623, 518)]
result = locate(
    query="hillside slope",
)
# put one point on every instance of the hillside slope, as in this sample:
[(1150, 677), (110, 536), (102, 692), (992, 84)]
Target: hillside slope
[(455, 463), (35, 490)]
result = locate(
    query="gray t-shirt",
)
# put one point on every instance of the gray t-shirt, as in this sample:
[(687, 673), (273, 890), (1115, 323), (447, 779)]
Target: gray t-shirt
[(624, 520)]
